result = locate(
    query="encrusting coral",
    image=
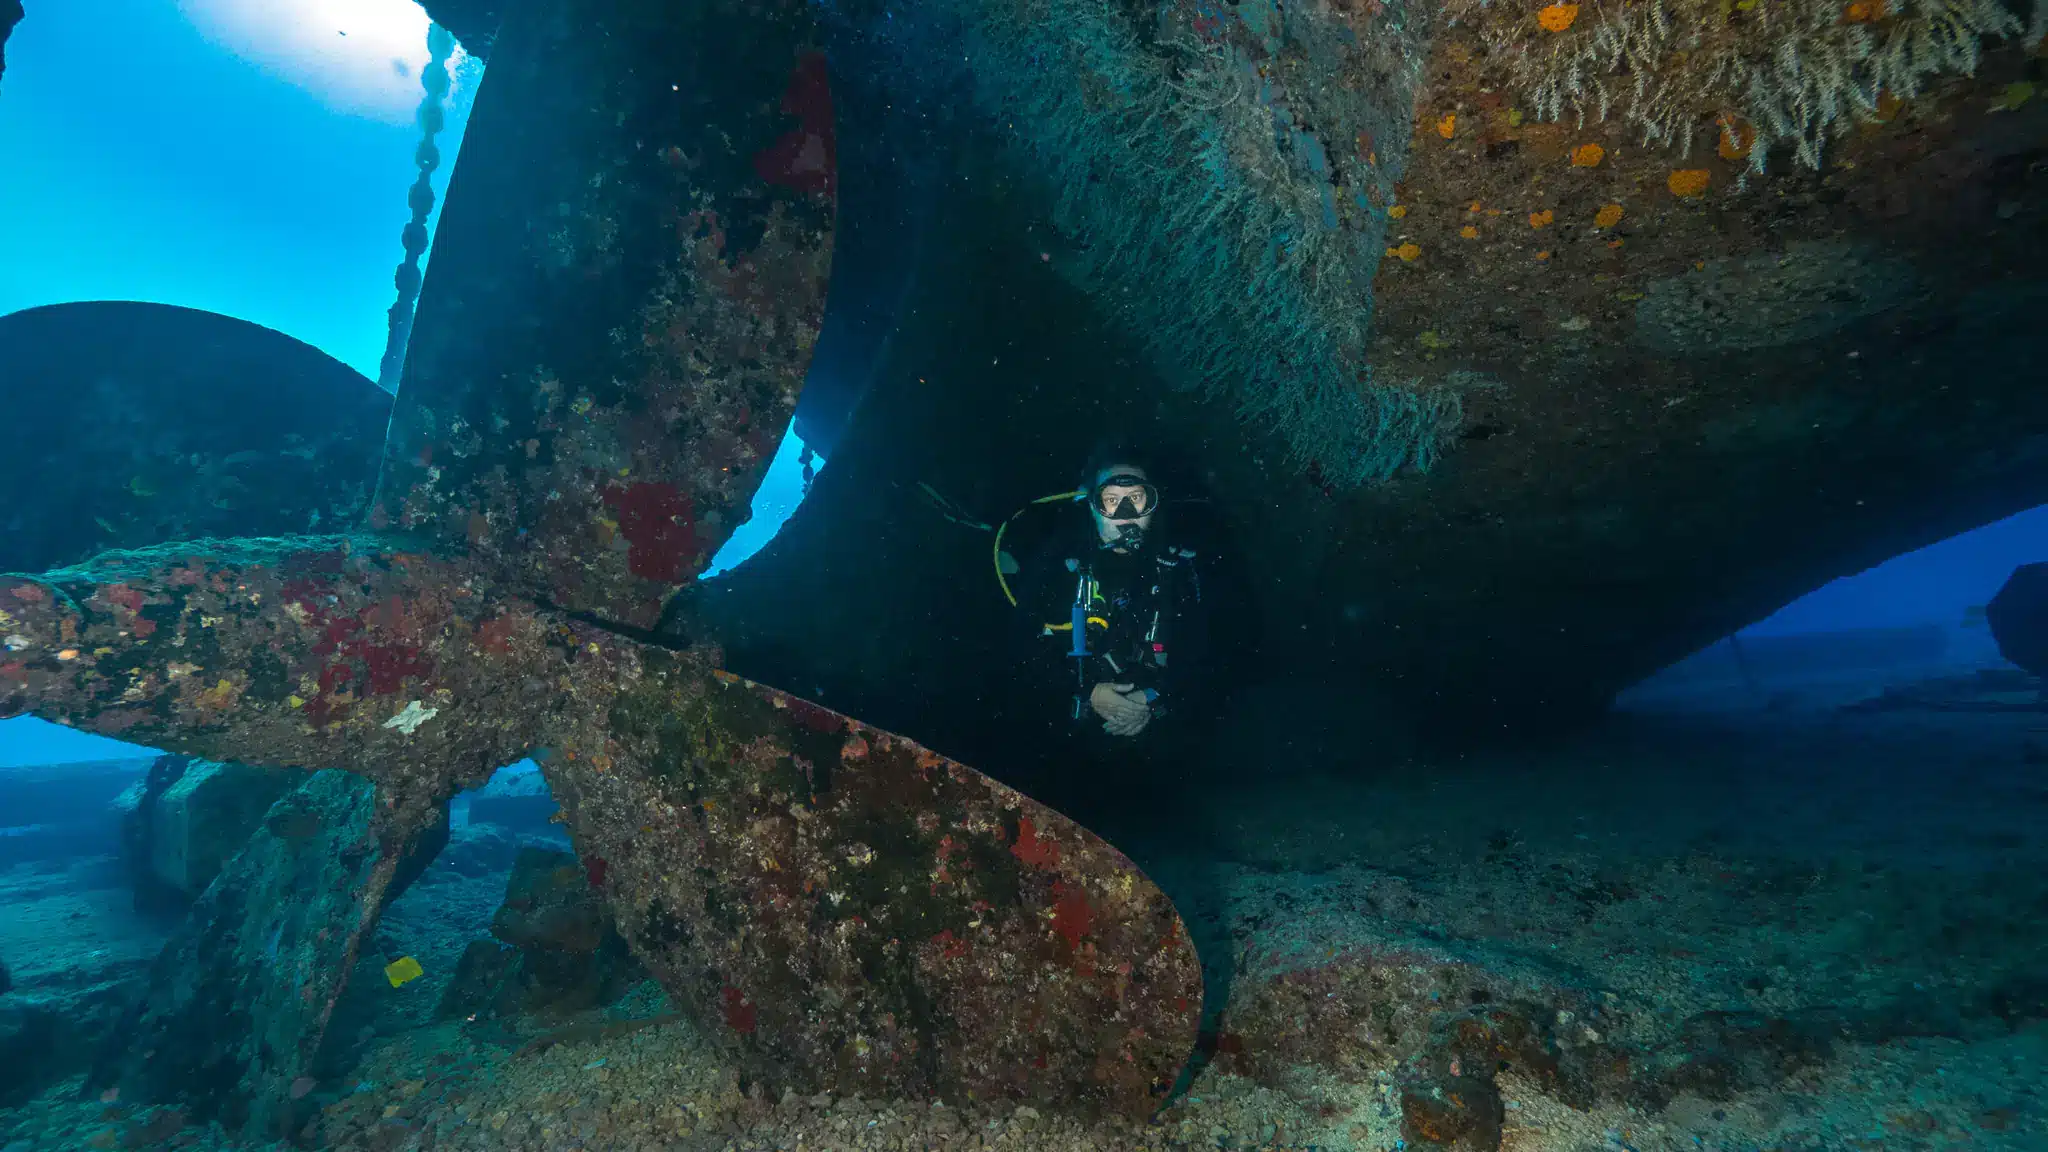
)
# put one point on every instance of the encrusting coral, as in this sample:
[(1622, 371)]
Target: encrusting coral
[(1270, 310), (1200, 218), (1756, 73)]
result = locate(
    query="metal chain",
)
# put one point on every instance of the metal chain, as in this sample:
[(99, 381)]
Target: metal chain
[(434, 80)]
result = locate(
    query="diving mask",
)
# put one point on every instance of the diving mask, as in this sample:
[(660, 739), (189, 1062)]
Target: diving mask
[(1124, 497)]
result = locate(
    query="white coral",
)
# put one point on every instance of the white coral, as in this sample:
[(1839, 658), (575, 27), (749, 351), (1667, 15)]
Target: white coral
[(1792, 69)]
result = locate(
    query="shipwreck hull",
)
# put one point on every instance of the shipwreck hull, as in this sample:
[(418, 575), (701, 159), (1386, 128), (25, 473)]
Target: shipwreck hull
[(625, 294), (865, 915), (846, 909)]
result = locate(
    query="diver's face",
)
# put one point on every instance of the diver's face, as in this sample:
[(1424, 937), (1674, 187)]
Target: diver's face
[(1122, 505)]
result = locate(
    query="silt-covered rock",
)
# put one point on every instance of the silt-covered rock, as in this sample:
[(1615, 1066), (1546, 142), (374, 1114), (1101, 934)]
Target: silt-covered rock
[(188, 818), (559, 953), (238, 1002)]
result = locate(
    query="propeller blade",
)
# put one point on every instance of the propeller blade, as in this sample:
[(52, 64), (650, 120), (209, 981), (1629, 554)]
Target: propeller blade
[(626, 284)]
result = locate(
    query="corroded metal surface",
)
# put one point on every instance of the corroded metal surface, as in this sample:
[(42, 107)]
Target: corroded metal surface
[(858, 912), (624, 297), (625, 294), (189, 424), (1712, 398), (304, 651), (1688, 405), (239, 999), (1593, 246)]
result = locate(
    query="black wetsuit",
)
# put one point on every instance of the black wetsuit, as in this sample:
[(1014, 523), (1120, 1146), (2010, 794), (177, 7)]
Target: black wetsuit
[(1144, 618), (1060, 752)]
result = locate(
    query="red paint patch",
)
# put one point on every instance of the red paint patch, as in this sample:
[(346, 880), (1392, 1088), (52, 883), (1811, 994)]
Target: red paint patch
[(660, 527), (306, 594), (323, 711), (123, 595), (812, 716), (739, 1011), (1072, 918), (336, 635), (380, 669), (948, 847), (595, 870), (807, 157), (389, 665), (1032, 850)]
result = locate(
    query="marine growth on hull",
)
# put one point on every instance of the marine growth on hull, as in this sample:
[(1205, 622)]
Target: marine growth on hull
[(1326, 626)]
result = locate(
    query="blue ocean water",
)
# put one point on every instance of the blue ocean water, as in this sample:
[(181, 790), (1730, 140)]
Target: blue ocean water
[(1788, 898)]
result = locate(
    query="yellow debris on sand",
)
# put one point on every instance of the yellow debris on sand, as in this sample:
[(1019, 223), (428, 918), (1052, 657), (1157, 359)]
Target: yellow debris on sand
[(402, 971)]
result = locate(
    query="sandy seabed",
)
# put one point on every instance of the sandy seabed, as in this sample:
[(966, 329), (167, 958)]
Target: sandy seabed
[(1886, 868)]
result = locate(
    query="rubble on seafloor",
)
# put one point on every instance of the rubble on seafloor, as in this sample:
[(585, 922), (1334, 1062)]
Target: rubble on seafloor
[(1641, 956)]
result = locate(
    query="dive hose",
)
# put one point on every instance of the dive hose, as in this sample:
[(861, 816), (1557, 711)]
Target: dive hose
[(960, 516), (996, 553)]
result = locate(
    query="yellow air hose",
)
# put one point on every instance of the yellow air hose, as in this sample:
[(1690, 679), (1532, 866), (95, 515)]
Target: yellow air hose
[(996, 553), (958, 515)]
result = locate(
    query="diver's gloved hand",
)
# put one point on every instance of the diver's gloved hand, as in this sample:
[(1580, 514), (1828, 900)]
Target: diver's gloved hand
[(1123, 709), (1127, 727)]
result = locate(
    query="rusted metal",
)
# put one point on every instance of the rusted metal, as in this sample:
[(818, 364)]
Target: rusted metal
[(301, 651), (191, 424), (859, 912), (239, 999), (624, 296), (847, 909)]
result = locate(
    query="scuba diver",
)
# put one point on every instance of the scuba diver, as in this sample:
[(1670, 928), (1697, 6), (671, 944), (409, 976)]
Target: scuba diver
[(1115, 602)]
